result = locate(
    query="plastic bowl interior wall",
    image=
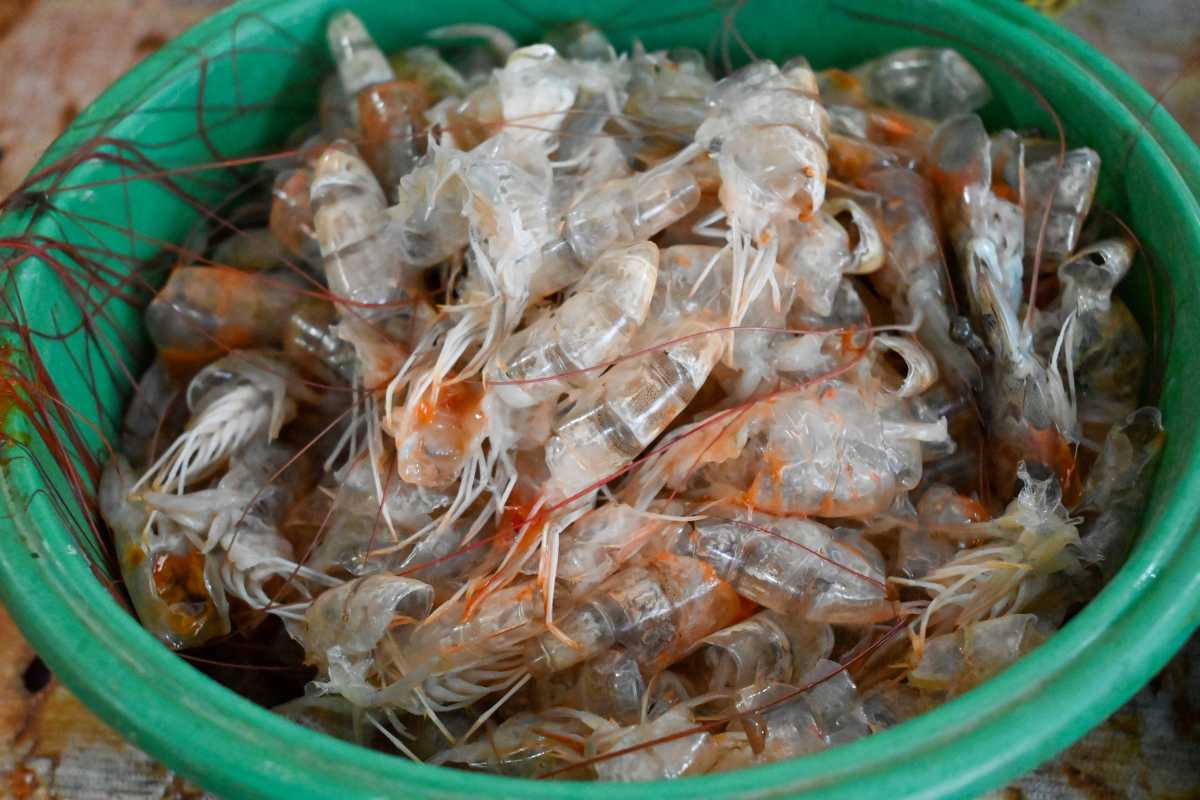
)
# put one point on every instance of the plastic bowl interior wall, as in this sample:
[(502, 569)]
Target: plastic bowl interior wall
[(255, 67)]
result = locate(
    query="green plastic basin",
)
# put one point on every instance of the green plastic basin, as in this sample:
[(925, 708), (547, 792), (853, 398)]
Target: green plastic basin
[(255, 67)]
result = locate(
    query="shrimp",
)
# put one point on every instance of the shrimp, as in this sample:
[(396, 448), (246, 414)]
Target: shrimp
[(345, 543), (769, 131), (381, 317), (370, 524), (359, 543), (833, 699), (391, 116), (311, 342), (667, 96), (914, 273), (919, 549), (1022, 551), (834, 450), (237, 522), (538, 86), (819, 251), (349, 210), (629, 407), (234, 400), (960, 165), (1029, 413), (766, 647), (697, 286), (698, 282), (452, 660), (174, 589), (1114, 495), (345, 625), (955, 662), (686, 755), (407, 506), (291, 218), (583, 157), (594, 324), (445, 433), (1104, 349), (792, 566), (931, 82), (204, 312), (610, 685), (629, 210), (360, 62), (602, 540), (425, 67), (442, 557), (427, 224), (794, 723), (656, 611), (527, 744), (1068, 189)]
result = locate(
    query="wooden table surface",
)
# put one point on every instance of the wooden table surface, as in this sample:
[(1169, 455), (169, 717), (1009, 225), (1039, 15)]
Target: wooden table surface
[(56, 55)]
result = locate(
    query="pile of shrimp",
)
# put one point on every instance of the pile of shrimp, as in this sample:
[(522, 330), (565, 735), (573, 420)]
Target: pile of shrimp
[(581, 414)]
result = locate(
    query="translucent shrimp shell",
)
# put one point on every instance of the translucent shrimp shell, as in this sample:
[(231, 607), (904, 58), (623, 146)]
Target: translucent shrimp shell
[(175, 592), (611, 685), (355, 616), (360, 62), (957, 661), (630, 406), (203, 312), (933, 82), (837, 451), (766, 647), (391, 117), (770, 130), (656, 611), (536, 89), (433, 445), (349, 210), (1069, 191), (688, 755), (291, 218), (667, 97), (629, 210), (795, 567), (597, 544), (591, 326)]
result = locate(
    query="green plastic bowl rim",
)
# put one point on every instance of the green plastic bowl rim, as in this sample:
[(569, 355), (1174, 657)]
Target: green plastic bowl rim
[(971, 744)]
